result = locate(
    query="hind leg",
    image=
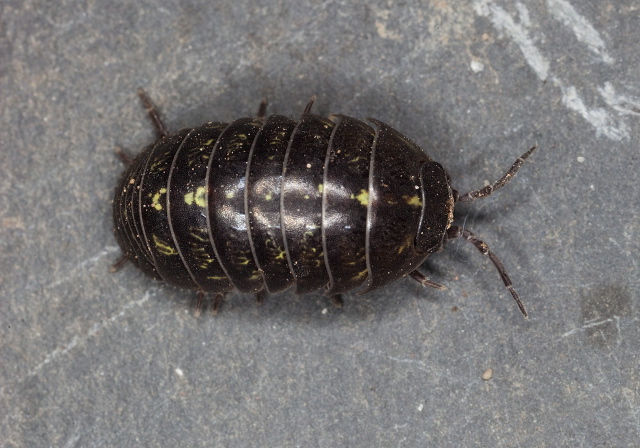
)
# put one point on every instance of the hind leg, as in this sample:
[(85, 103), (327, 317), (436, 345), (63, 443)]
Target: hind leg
[(217, 303), (260, 297), (200, 302), (337, 301), (424, 281), (124, 259), (262, 109), (161, 129), (124, 157), (309, 105)]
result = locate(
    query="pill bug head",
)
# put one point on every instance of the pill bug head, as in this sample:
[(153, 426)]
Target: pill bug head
[(437, 208)]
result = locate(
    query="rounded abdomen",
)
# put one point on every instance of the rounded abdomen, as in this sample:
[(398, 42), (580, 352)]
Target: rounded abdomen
[(252, 205)]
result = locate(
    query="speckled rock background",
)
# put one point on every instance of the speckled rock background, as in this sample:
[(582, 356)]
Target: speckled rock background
[(89, 359)]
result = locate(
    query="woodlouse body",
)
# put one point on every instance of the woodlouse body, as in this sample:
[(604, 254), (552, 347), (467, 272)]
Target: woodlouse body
[(269, 204)]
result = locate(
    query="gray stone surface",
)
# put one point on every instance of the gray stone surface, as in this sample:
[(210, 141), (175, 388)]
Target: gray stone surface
[(89, 359)]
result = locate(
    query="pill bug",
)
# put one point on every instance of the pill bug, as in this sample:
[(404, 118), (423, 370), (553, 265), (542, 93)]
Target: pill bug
[(270, 203)]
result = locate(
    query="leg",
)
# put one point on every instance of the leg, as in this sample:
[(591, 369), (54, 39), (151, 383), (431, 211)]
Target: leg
[(260, 297), (262, 110), (424, 281), (153, 114), (199, 302), (504, 180), (200, 296), (119, 264), (455, 232), (124, 157), (309, 105), (217, 302), (337, 301)]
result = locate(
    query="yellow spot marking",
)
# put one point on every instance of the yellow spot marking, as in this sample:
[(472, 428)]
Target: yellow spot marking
[(159, 163), (363, 197), (230, 195), (306, 196), (163, 247), (268, 196), (414, 200), (207, 143), (198, 197), (320, 188), (195, 235), (360, 275), (155, 200), (213, 277), (281, 255)]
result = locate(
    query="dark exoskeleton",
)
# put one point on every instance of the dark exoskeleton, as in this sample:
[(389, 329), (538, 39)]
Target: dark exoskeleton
[(269, 203)]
